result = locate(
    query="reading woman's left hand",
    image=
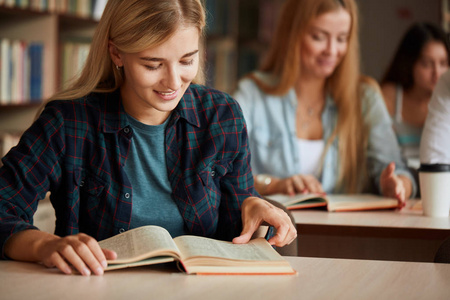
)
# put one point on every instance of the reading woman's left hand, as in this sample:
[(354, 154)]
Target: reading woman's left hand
[(255, 211)]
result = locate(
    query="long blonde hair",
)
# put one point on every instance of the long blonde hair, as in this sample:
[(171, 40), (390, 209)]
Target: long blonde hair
[(132, 26), (283, 62)]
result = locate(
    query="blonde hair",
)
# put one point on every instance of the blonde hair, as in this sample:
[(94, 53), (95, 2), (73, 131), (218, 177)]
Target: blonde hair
[(283, 61), (132, 26)]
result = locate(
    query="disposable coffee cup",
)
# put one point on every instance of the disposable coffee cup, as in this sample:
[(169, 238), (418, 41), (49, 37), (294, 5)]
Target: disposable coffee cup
[(435, 189)]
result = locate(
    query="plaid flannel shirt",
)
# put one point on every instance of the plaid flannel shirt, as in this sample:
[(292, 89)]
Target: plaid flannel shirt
[(77, 150)]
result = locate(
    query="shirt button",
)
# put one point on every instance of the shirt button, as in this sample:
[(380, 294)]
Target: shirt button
[(126, 130), (127, 195), (121, 230), (213, 173)]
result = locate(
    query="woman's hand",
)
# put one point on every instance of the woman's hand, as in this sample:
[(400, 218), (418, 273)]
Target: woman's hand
[(297, 184), (79, 251), (255, 211), (395, 186)]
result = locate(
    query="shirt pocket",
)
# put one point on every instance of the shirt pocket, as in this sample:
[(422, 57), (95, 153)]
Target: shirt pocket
[(91, 197), (211, 177), (267, 140)]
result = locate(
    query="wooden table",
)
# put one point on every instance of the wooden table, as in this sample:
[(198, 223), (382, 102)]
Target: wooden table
[(403, 235), (317, 278)]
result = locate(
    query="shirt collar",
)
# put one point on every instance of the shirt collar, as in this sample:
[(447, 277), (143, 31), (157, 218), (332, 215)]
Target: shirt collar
[(187, 108), (292, 98), (115, 117)]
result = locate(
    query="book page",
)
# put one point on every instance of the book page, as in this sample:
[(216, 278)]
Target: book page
[(256, 250), (140, 243), (149, 261), (343, 202)]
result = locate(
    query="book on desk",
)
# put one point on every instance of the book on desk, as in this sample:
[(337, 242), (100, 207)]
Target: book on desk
[(335, 202), (149, 245)]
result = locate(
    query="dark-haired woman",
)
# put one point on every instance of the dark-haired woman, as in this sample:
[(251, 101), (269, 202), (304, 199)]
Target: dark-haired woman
[(421, 58)]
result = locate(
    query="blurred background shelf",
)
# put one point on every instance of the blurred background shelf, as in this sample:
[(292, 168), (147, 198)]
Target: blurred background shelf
[(237, 38)]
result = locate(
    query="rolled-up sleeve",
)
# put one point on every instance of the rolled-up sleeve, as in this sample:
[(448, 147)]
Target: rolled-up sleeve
[(383, 147), (28, 171)]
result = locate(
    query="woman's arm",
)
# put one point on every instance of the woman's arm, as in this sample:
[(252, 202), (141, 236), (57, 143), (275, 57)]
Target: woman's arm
[(28, 172), (80, 251), (383, 149), (238, 192)]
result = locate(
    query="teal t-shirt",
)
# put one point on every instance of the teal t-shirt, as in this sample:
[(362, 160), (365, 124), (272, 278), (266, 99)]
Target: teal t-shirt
[(152, 203)]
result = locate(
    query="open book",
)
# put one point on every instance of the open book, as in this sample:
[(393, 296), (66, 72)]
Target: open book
[(198, 255), (338, 202)]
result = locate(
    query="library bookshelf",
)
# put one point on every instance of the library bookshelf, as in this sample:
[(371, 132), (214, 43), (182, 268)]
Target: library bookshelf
[(237, 34), (47, 28)]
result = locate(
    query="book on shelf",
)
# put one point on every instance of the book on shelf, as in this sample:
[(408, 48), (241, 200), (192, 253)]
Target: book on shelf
[(335, 202), (21, 71), (221, 72), (16, 65), (249, 58), (97, 8), (268, 15), (5, 66), (73, 57), (219, 17), (35, 52), (149, 245), (80, 8)]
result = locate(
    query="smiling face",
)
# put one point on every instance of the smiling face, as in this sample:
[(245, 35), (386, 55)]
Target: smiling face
[(433, 62), (325, 44), (156, 78)]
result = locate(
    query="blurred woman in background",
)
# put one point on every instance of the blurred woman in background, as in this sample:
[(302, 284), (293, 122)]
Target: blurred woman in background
[(421, 58), (314, 123)]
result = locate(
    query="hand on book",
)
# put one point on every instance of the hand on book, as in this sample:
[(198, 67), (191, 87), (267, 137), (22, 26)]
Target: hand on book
[(80, 251), (296, 184), (395, 186), (255, 211)]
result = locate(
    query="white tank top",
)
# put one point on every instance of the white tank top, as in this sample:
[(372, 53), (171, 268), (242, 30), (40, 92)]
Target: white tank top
[(310, 154)]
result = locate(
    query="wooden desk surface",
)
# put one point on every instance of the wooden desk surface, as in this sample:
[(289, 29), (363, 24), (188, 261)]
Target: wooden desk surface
[(401, 235), (318, 278)]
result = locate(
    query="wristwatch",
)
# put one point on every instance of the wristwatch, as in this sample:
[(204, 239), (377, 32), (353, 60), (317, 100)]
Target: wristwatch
[(263, 181)]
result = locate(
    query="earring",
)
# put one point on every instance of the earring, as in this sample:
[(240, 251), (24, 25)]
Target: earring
[(118, 68)]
